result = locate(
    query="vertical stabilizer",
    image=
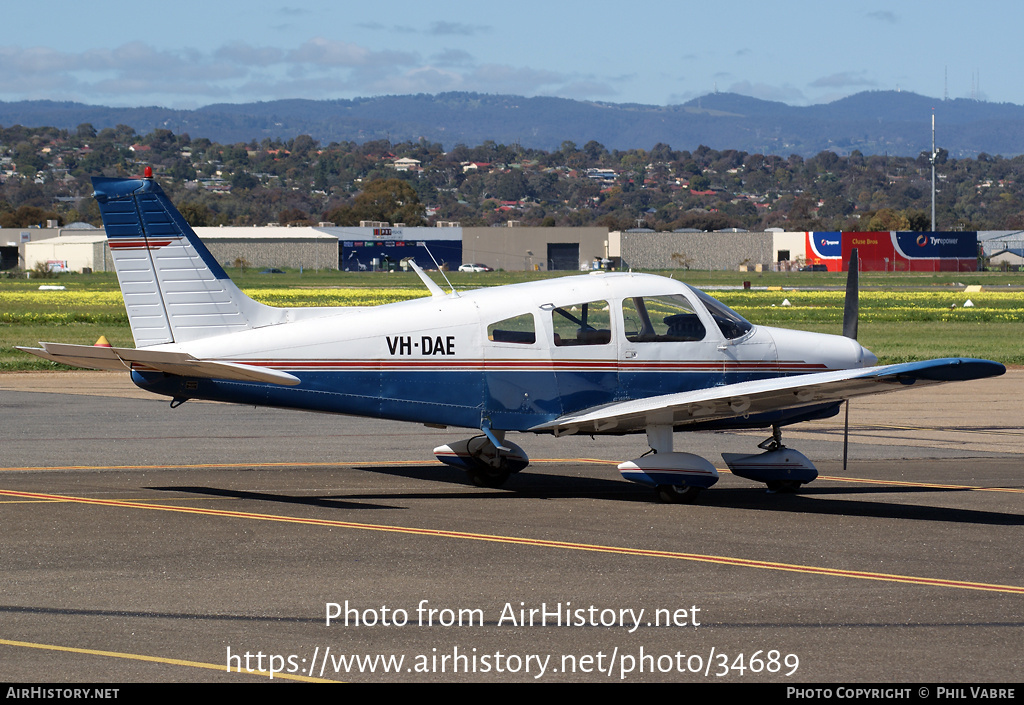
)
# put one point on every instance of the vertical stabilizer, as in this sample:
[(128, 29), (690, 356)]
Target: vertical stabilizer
[(173, 288)]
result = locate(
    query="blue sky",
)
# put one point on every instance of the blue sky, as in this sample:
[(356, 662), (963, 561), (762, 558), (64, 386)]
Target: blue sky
[(188, 53)]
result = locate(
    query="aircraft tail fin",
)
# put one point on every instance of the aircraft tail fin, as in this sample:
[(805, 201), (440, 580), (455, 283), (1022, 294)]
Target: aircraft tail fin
[(173, 288)]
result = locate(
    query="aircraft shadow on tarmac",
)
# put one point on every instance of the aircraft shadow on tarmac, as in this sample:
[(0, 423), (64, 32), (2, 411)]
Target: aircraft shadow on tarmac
[(539, 485), (328, 501), (805, 502), (145, 614), (282, 619)]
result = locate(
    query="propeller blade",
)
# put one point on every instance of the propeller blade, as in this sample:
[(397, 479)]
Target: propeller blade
[(851, 312)]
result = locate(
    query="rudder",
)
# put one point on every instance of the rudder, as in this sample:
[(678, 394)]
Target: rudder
[(174, 290)]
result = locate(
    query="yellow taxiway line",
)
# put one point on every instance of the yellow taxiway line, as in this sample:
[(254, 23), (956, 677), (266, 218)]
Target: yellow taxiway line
[(159, 659), (409, 463), (524, 541)]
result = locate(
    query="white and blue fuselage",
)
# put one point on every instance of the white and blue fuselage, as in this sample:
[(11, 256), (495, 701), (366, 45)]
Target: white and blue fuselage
[(448, 360)]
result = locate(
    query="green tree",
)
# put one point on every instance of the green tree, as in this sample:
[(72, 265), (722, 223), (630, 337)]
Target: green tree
[(508, 186), (294, 216), (390, 200), (887, 219), (302, 145), (196, 214), (27, 216), (918, 220), (699, 183), (595, 151), (244, 180)]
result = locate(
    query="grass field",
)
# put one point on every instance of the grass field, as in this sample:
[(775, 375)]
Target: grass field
[(250, 278), (903, 316)]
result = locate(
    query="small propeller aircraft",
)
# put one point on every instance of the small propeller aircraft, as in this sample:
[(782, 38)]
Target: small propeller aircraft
[(612, 353)]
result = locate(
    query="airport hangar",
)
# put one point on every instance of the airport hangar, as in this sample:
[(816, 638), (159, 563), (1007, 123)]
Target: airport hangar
[(369, 247), (380, 246)]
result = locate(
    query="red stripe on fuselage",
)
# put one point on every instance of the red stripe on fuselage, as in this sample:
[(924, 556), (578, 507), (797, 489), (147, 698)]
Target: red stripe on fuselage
[(777, 368)]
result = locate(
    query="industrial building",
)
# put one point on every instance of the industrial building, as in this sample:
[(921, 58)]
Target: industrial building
[(544, 249), (878, 251), (367, 248), (86, 250), (259, 248), (72, 253), (382, 246)]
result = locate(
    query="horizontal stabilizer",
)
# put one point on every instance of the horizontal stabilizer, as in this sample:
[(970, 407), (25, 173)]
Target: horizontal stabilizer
[(746, 399), (174, 363)]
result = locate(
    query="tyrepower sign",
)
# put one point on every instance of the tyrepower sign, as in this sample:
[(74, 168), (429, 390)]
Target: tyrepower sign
[(913, 251)]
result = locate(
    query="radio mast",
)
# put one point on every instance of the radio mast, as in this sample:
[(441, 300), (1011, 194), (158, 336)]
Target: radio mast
[(931, 159)]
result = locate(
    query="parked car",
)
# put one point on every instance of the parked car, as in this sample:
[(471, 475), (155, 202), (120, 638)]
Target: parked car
[(474, 268), (272, 270), (814, 268)]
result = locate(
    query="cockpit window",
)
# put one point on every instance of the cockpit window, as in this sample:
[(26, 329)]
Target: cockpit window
[(582, 324), (732, 324), (518, 329), (661, 319)]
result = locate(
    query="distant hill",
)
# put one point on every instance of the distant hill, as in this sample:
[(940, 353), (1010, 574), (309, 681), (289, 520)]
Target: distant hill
[(874, 122)]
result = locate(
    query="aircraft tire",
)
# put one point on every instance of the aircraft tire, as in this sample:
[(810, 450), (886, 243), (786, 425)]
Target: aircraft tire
[(677, 494), (783, 486), (488, 477)]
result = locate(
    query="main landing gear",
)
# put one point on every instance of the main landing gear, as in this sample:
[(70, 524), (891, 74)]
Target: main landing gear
[(680, 477), (488, 459), (676, 494), (780, 468), (677, 478)]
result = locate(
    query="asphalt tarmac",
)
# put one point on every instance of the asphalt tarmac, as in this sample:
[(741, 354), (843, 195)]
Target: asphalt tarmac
[(145, 544)]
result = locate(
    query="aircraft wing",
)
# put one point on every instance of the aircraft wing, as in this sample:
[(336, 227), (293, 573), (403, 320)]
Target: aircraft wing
[(749, 398), (175, 363)]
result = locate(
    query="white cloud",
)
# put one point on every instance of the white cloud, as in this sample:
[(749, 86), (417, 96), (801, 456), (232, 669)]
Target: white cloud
[(325, 52), (328, 52), (843, 79), (442, 28), (242, 53), (884, 16), (452, 57)]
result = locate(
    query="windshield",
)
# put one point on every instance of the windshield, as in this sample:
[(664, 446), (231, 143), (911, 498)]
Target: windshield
[(732, 324)]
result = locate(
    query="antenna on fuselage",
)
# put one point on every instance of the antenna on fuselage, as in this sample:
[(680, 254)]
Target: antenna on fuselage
[(455, 293), (432, 287)]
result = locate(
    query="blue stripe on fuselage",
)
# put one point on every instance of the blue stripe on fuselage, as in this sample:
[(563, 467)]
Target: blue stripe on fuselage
[(508, 400)]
